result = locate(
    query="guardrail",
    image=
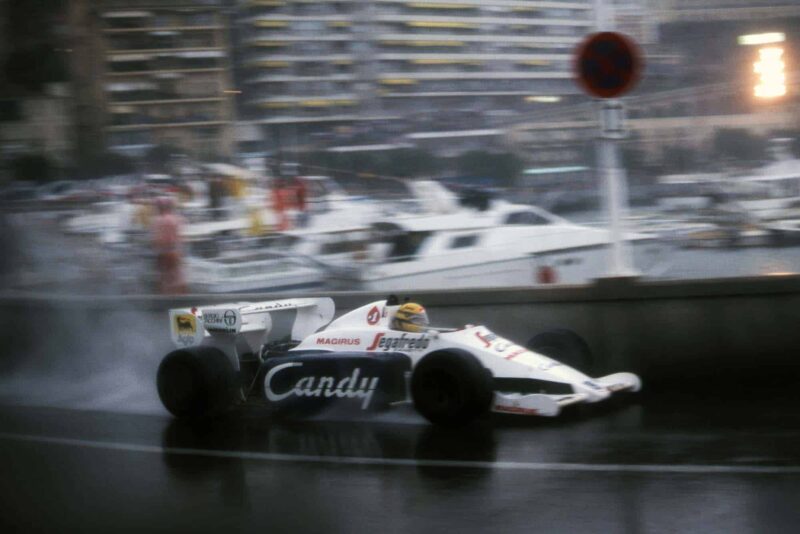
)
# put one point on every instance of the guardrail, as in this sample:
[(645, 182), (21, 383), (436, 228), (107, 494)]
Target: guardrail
[(665, 330)]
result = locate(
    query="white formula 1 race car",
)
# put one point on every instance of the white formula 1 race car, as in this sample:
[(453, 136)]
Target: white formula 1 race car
[(287, 354)]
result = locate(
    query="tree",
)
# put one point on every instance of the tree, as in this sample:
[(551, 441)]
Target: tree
[(504, 167), (159, 158), (678, 159), (36, 56), (103, 164), (412, 162), (739, 146), (32, 168)]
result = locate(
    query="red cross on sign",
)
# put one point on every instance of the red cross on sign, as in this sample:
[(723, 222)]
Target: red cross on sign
[(607, 64)]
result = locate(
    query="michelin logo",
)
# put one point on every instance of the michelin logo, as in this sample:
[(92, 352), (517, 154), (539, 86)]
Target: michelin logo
[(324, 386)]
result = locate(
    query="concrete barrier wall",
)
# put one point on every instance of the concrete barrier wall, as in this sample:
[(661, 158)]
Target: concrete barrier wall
[(663, 330)]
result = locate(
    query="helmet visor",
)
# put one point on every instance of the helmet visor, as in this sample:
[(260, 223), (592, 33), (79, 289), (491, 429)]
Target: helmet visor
[(418, 319)]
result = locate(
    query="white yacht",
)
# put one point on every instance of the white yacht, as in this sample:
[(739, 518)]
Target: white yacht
[(506, 245), (328, 245), (771, 192)]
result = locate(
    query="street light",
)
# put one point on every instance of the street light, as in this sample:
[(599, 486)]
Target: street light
[(770, 66), (772, 73)]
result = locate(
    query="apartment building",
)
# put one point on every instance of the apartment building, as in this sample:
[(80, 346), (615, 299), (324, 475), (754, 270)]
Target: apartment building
[(167, 76), (367, 70)]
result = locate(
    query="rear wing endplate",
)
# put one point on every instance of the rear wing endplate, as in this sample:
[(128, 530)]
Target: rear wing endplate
[(188, 326)]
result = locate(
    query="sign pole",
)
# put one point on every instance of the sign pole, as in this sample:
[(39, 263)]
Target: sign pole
[(615, 185), (608, 65)]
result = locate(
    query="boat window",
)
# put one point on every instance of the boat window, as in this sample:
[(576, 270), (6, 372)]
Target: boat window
[(463, 241), (405, 245), (343, 246), (525, 217)]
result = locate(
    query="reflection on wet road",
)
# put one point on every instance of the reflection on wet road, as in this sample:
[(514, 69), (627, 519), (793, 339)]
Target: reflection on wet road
[(674, 463)]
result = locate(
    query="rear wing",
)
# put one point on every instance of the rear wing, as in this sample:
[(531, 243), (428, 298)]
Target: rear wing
[(255, 321)]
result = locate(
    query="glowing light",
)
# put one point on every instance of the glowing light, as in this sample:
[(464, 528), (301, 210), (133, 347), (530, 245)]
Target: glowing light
[(398, 81), (770, 68), (543, 99), (761, 38)]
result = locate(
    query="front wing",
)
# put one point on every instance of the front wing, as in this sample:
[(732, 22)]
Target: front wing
[(543, 404)]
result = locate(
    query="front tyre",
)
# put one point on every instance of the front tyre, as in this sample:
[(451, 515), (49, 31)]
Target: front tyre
[(451, 388), (196, 382)]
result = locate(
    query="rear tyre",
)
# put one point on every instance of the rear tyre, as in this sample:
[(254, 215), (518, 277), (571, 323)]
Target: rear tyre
[(451, 388), (196, 382), (565, 346)]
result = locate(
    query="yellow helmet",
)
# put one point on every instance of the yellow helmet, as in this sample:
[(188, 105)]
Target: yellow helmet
[(410, 317)]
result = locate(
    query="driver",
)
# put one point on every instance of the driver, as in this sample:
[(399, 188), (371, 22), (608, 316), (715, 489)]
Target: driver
[(410, 317)]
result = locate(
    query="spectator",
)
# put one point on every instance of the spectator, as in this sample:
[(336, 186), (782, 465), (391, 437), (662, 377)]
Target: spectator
[(299, 189), (281, 204), (167, 244), (216, 192)]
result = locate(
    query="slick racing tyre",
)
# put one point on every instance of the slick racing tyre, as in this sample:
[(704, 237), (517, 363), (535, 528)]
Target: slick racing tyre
[(451, 388), (196, 382), (564, 346)]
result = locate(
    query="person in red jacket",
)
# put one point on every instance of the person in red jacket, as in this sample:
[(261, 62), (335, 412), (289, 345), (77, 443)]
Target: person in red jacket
[(167, 244), (281, 203)]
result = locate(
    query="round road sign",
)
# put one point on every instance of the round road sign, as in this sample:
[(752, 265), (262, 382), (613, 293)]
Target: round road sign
[(607, 64)]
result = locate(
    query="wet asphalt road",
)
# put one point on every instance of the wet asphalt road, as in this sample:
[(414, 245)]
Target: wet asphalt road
[(710, 462)]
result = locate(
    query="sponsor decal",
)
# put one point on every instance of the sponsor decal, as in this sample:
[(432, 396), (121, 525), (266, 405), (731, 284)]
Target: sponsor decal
[(352, 387), (516, 353), (185, 328), (220, 321), (337, 341), (516, 409), (374, 316), (273, 306), (503, 345), (185, 323), (401, 343), (486, 338)]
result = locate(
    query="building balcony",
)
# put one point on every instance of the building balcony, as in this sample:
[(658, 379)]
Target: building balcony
[(166, 123), (271, 119), (171, 100), (164, 71), (477, 75), (511, 5), (457, 22), (290, 78), (406, 39), (149, 29), (308, 101)]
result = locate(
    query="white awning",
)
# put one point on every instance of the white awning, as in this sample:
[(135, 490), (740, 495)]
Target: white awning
[(456, 133), (131, 86), (167, 75), (127, 14), (200, 54), (131, 57)]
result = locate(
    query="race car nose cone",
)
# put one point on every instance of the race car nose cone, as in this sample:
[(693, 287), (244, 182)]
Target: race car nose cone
[(595, 391)]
